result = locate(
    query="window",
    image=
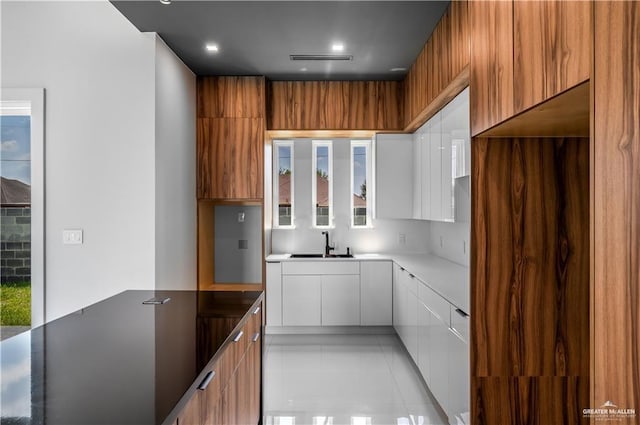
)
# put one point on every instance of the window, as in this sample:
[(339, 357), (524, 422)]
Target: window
[(322, 184), (283, 216), (361, 188)]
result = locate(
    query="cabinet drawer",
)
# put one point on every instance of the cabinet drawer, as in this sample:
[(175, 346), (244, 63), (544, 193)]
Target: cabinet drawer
[(434, 302), (460, 323), (321, 267)]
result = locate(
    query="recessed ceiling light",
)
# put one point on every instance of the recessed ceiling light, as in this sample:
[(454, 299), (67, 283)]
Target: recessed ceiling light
[(398, 69), (303, 69), (211, 47), (165, 1), (337, 47)]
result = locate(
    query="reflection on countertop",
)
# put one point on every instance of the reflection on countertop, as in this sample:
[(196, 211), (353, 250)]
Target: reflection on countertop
[(117, 361)]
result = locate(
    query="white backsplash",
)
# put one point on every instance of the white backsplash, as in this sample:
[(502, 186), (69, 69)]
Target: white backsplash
[(385, 236), (451, 240)]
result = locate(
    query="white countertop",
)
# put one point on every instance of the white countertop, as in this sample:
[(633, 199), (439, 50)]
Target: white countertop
[(449, 279)]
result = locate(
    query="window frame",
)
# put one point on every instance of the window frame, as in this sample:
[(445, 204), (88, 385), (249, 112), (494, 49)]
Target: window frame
[(315, 144), (368, 145), (276, 185)]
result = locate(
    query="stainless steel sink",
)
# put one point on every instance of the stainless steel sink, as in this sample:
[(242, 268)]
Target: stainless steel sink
[(321, 256)]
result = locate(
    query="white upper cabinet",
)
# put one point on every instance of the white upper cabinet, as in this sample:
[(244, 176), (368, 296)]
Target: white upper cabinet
[(456, 132), (416, 173), (394, 176), (423, 181)]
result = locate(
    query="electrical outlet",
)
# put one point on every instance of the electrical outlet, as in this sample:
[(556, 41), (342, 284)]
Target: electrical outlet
[(402, 238), (72, 236), (241, 217)]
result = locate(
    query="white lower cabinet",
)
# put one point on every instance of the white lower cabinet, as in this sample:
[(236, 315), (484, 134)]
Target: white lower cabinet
[(376, 293), (459, 386), (340, 300), (301, 300), (274, 294), (439, 361), (424, 342)]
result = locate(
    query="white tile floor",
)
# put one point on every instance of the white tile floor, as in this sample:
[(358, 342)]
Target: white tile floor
[(343, 379)]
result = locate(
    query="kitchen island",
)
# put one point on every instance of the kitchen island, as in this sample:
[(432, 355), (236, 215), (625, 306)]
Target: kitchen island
[(119, 361)]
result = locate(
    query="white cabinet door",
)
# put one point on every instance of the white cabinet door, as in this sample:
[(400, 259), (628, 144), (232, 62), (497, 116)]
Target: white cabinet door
[(424, 341), (435, 168), (455, 126), (394, 176), (301, 300), (446, 179), (439, 361), (397, 323), (340, 300), (418, 171), (273, 305), (412, 321), (459, 386), (376, 293), (425, 179)]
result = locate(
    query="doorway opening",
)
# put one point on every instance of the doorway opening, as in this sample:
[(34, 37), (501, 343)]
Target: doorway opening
[(21, 210)]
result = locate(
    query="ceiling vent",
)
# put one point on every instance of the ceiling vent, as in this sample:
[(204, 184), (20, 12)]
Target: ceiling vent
[(321, 57)]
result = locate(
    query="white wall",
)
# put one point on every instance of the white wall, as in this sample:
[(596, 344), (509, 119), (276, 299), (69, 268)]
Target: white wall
[(383, 237), (175, 180), (98, 72)]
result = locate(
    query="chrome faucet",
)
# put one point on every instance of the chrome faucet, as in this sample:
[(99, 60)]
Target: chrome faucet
[(327, 248)]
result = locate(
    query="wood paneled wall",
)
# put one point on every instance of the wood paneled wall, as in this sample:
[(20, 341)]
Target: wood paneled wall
[(616, 206), (529, 279), (443, 58), (334, 105)]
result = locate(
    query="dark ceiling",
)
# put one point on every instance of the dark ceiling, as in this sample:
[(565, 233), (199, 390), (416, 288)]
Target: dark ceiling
[(257, 37)]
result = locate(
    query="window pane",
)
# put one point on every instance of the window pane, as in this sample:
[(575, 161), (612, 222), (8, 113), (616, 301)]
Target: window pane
[(284, 186), (322, 186), (359, 170)]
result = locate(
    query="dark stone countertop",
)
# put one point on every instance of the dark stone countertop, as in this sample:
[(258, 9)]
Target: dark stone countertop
[(118, 361)]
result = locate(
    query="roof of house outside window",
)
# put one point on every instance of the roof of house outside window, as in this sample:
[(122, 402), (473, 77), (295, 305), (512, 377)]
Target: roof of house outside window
[(14, 192)]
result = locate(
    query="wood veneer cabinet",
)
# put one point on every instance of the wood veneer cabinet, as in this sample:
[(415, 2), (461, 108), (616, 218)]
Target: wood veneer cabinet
[(230, 138), (491, 79), (232, 396), (230, 158), (524, 53), (443, 58), (335, 105), (552, 46)]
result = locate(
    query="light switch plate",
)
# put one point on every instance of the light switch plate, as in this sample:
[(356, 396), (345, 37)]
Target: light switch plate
[(72, 236)]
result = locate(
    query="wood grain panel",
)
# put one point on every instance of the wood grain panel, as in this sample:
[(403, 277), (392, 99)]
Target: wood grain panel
[(460, 41), (231, 97), (491, 80), (566, 115), (616, 207), (530, 401), (552, 44), (334, 105), (530, 257), (444, 56), (230, 158)]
